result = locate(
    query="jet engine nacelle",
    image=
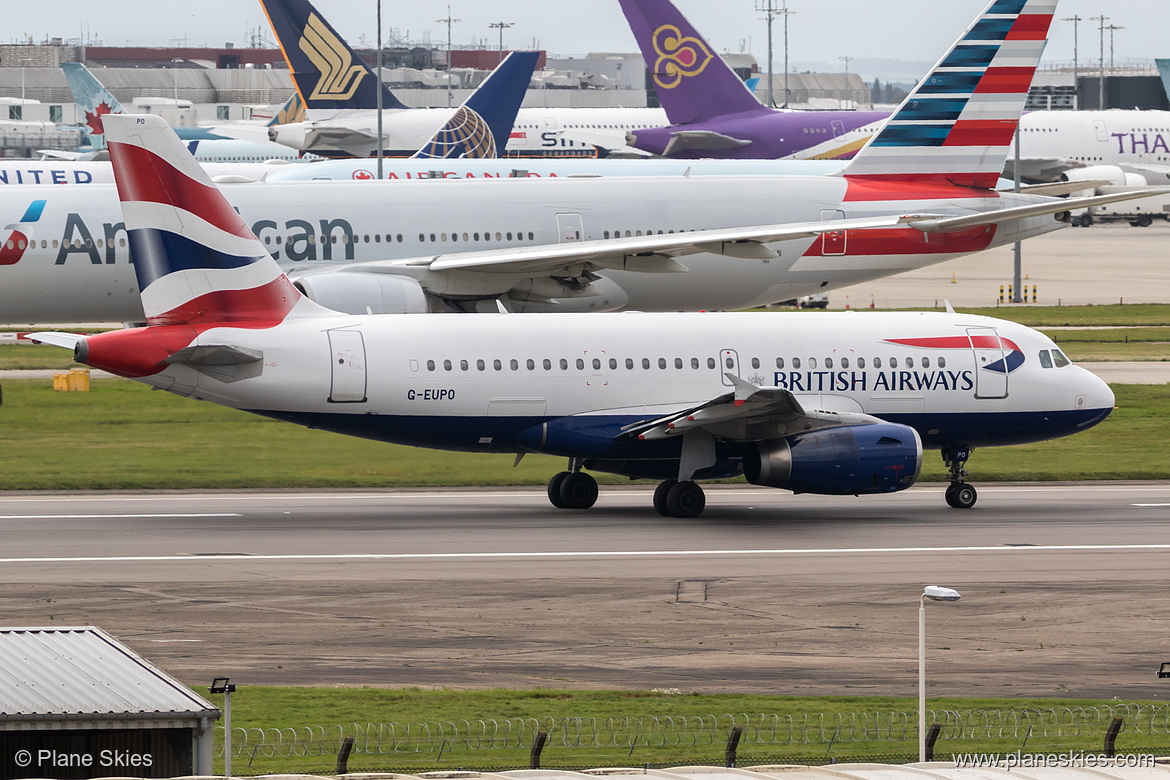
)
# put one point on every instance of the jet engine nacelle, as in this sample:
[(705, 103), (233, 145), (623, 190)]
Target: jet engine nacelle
[(358, 293), (851, 460), (1110, 173)]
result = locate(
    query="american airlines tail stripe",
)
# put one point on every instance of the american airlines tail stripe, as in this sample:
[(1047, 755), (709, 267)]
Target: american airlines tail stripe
[(982, 133), (1006, 80), (950, 82), (167, 185), (990, 29), (977, 55), (1030, 27), (1012, 7), (931, 109)]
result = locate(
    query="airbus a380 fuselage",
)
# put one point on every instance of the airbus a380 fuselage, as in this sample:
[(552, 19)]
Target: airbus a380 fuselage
[(74, 263)]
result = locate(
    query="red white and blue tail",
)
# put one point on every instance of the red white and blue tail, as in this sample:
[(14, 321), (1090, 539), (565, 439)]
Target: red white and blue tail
[(196, 260), (957, 125)]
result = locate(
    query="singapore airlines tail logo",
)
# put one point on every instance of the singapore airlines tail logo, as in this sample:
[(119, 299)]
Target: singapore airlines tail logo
[(678, 56), (340, 75)]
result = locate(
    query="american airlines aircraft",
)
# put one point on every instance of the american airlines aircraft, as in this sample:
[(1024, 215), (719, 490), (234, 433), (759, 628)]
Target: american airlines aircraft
[(919, 193), (831, 404)]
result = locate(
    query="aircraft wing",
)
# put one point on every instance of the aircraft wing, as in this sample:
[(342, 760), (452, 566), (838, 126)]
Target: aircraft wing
[(651, 254), (747, 413), (942, 224)]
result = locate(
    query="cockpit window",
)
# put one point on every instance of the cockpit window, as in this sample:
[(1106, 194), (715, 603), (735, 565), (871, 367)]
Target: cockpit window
[(1061, 360), (1045, 359)]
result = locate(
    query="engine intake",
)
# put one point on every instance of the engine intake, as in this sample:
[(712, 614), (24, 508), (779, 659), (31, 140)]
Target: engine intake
[(851, 460)]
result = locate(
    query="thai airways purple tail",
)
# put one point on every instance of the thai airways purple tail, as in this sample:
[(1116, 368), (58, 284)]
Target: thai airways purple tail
[(680, 54)]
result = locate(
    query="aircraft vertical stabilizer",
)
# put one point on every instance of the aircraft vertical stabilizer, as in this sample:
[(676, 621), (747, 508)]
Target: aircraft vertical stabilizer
[(481, 126), (693, 83), (195, 258), (94, 100), (1164, 69), (325, 70), (958, 124)]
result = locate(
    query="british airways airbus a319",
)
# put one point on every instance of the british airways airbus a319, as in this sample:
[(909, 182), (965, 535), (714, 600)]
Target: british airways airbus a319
[(829, 404)]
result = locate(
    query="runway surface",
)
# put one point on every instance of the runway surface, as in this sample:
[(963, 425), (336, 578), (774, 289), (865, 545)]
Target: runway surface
[(1064, 587)]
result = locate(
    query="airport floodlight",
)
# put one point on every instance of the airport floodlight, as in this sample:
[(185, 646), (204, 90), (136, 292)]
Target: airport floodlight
[(221, 685), (939, 593), (934, 593), (224, 685), (1164, 671)]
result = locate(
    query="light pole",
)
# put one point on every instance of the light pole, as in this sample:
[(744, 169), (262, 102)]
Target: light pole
[(448, 21), (1076, 20), (175, 71), (934, 593), (501, 26), (1111, 28), (846, 59), (378, 86), (1101, 86), (22, 61), (224, 685)]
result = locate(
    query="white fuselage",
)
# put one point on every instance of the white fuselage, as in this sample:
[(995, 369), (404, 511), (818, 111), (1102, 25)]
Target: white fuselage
[(567, 384), (76, 267), (536, 131)]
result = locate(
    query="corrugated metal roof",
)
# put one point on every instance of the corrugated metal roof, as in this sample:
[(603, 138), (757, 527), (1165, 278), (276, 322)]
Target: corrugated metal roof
[(84, 673)]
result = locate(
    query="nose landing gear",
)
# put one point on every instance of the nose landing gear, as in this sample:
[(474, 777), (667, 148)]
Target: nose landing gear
[(959, 494)]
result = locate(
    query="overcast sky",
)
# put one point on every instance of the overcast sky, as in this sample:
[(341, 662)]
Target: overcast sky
[(819, 31)]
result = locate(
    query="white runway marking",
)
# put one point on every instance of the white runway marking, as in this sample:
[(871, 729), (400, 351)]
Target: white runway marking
[(587, 554), (114, 517)]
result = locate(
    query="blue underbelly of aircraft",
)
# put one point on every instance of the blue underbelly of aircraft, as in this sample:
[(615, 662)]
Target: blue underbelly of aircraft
[(599, 436)]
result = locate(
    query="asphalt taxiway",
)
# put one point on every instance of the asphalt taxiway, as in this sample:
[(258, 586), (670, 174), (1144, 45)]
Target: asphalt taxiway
[(1064, 587)]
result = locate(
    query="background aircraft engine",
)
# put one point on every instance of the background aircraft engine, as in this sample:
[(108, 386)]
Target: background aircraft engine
[(852, 460), (365, 293), (1110, 173)]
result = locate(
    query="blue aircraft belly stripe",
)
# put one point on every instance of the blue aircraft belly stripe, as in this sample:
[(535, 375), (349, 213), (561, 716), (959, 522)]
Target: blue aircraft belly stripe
[(594, 436)]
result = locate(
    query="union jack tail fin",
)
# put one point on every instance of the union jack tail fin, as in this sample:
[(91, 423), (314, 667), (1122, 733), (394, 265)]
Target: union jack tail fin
[(196, 260), (957, 125)]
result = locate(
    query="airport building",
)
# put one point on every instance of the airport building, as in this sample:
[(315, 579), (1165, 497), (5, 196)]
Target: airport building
[(76, 703)]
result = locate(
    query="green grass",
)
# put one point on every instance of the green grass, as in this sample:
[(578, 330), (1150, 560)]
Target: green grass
[(122, 435), (294, 708)]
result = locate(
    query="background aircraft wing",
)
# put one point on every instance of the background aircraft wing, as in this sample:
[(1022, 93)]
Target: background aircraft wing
[(328, 137), (1040, 169), (943, 224), (651, 253), (747, 413)]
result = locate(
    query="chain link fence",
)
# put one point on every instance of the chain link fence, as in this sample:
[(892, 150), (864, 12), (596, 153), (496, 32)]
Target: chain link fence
[(699, 732)]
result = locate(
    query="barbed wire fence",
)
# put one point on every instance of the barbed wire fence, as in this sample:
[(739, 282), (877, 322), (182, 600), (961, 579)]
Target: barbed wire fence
[(704, 731)]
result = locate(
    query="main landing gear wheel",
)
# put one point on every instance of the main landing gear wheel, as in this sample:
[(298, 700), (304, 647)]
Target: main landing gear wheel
[(660, 496), (962, 495), (959, 494), (679, 499), (554, 489), (578, 491)]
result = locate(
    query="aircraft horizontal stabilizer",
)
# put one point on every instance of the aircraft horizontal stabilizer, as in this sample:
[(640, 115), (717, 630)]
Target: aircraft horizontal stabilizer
[(940, 225), (215, 355), (66, 340), (700, 140), (632, 253)]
